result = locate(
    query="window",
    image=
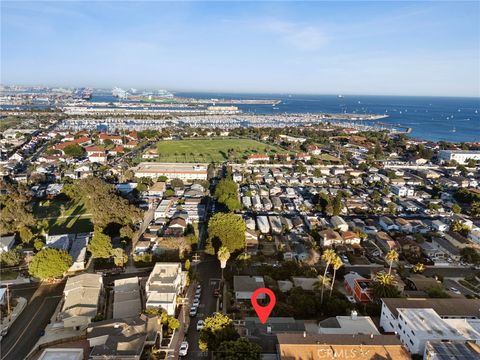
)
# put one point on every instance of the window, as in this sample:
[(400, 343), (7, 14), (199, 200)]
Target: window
[(400, 326), (411, 342)]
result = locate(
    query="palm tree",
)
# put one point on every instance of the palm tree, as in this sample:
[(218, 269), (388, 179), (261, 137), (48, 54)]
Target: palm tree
[(419, 268), (328, 256), (337, 264), (322, 283), (223, 255), (391, 257), (384, 285)]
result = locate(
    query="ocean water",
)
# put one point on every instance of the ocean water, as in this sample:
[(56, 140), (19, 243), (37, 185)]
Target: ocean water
[(431, 118)]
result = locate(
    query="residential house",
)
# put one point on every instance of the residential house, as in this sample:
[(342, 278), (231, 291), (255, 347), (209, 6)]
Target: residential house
[(6, 242), (338, 223), (358, 287), (82, 297), (123, 339), (330, 238), (384, 241), (245, 286), (164, 285)]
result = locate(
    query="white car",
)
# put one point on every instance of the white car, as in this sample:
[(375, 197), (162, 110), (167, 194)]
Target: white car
[(196, 302), (198, 292), (455, 290), (193, 311), (200, 325), (183, 349)]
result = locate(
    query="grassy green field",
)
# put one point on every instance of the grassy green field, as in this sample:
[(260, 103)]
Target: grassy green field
[(204, 150), (63, 216)]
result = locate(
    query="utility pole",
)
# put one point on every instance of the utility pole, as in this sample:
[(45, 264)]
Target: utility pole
[(8, 303)]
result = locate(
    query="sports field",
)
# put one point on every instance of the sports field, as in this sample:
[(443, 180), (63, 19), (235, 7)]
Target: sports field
[(204, 150)]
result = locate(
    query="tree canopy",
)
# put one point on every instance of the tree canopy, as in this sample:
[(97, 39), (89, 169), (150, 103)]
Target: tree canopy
[(49, 263), (226, 193), (218, 328), (74, 151), (240, 349), (16, 213), (10, 258), (227, 230), (101, 245), (103, 202)]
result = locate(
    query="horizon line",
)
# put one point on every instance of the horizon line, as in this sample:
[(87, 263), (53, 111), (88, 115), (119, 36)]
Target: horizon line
[(242, 92)]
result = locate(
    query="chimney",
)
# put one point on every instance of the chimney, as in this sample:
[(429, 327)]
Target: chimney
[(269, 329), (354, 315)]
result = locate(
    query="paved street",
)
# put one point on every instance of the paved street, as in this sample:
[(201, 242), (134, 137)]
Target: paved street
[(25, 331), (448, 283), (209, 277)]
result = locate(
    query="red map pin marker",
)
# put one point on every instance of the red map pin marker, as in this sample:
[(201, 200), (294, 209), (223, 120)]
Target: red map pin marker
[(263, 312)]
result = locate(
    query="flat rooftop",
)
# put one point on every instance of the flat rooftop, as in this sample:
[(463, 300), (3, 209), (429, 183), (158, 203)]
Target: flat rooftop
[(154, 167)]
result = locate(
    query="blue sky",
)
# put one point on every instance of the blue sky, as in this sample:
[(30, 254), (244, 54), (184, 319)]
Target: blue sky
[(387, 47)]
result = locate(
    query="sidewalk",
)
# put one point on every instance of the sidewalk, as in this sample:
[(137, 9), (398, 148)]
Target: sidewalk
[(17, 310)]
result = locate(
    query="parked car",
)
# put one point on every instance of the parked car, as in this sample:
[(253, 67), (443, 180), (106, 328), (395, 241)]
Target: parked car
[(200, 325), (455, 290), (183, 349), (193, 311), (196, 302), (351, 299)]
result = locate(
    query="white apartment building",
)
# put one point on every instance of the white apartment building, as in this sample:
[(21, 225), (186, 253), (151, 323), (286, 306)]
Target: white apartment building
[(181, 171), (401, 191), (460, 156), (165, 283), (417, 321)]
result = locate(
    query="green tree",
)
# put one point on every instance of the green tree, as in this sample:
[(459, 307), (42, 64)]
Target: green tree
[(162, 178), (456, 209), (384, 286), (173, 323), (457, 226), (74, 151), (120, 258), (16, 213), (101, 245), (328, 257), (418, 268), (437, 292), (337, 263), (103, 202), (227, 230), (241, 349), (391, 257), (218, 328), (475, 208), (49, 263), (177, 183), (38, 245), (337, 204), (10, 258), (223, 255), (226, 193), (470, 255)]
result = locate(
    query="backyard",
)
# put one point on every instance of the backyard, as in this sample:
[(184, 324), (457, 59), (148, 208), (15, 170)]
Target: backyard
[(206, 150)]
